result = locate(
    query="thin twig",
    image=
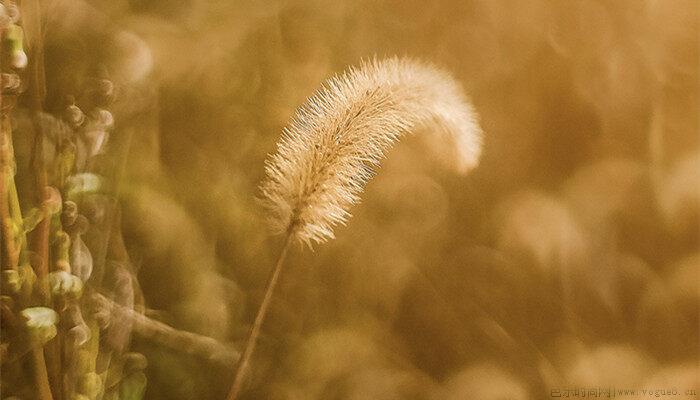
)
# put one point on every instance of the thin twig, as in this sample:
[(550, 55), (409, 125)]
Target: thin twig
[(252, 339), (167, 336)]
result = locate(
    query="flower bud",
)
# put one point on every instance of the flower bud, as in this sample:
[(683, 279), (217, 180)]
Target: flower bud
[(102, 118), (65, 284), (10, 82), (41, 323), (70, 213), (52, 200), (13, 12), (18, 59), (82, 183), (74, 116), (11, 281), (14, 37), (103, 93), (4, 17)]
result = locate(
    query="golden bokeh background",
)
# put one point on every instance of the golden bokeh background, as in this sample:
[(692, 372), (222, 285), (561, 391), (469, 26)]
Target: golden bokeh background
[(568, 258)]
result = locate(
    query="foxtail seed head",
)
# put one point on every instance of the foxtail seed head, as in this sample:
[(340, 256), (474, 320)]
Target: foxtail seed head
[(335, 141)]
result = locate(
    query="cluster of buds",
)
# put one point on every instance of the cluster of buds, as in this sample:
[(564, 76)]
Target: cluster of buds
[(92, 128), (12, 48), (47, 268), (59, 310), (13, 35)]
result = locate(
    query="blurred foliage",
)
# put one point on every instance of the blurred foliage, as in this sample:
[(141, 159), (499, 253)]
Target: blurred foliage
[(568, 258)]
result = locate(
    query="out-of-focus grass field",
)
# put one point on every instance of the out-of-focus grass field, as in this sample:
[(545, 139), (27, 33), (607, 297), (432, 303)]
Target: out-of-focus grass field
[(567, 259)]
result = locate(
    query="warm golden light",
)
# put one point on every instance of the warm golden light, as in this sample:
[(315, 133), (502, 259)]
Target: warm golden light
[(523, 179)]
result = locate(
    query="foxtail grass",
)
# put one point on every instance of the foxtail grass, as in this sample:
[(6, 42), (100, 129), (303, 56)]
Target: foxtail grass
[(334, 145)]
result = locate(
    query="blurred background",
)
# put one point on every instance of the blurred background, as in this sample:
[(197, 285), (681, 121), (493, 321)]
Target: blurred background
[(567, 259)]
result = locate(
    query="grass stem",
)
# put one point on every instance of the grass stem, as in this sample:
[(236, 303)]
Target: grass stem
[(252, 339)]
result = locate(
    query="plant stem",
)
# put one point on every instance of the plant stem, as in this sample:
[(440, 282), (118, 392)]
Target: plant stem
[(165, 335), (41, 380), (252, 339), (48, 363), (11, 249), (10, 252)]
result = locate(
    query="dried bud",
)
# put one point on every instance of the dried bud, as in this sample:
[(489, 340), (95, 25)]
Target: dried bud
[(106, 87), (83, 183), (14, 37), (102, 118), (40, 323), (65, 284), (70, 213), (18, 59), (13, 12), (11, 281), (10, 82), (74, 116), (52, 200), (4, 17), (103, 93)]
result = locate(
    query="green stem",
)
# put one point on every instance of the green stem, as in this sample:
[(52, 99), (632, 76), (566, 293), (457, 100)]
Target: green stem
[(33, 24), (8, 193)]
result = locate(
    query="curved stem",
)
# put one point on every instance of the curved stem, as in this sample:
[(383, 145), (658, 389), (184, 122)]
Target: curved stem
[(257, 324), (165, 335)]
